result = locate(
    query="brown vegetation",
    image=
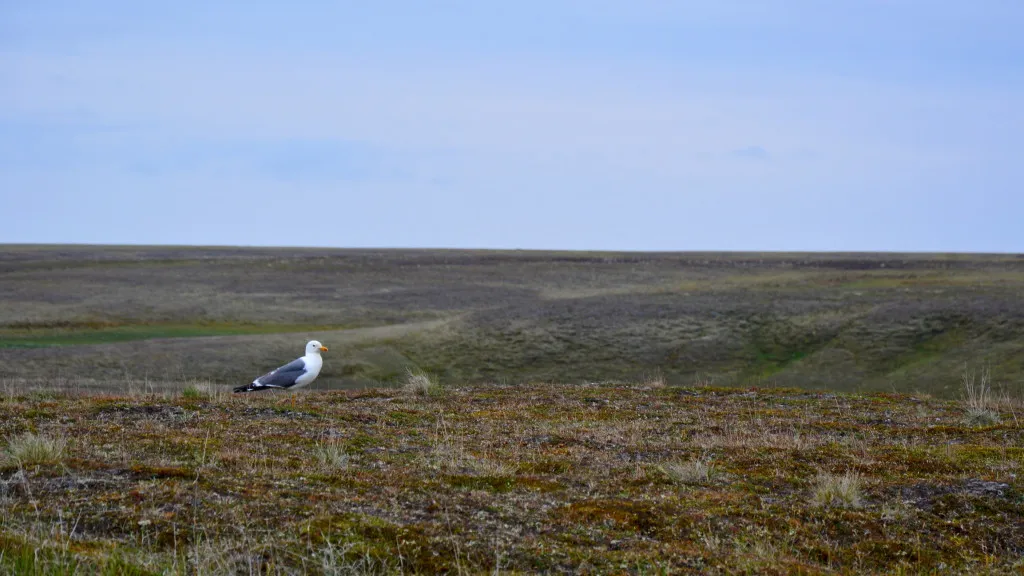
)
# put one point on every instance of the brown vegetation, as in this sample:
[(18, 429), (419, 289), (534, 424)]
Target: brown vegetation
[(531, 478)]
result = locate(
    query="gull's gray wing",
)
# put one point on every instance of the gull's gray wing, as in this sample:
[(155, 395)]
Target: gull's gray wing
[(285, 376)]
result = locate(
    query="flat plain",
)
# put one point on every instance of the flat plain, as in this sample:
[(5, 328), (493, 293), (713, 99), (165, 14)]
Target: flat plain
[(123, 318)]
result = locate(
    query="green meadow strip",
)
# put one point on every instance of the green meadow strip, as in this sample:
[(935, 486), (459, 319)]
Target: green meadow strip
[(45, 337)]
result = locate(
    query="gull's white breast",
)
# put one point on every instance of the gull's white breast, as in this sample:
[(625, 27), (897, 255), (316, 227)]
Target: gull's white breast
[(314, 362)]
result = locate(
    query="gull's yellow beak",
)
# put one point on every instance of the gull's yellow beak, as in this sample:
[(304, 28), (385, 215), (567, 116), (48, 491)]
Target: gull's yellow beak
[(323, 348)]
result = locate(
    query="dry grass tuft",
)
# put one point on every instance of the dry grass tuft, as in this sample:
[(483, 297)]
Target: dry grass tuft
[(690, 472), (420, 383), (32, 448), (655, 380), (204, 390), (344, 559), (841, 491), (331, 456), (979, 401)]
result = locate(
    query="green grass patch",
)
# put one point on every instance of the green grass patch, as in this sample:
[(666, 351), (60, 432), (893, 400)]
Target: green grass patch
[(84, 334), (489, 483), (19, 557)]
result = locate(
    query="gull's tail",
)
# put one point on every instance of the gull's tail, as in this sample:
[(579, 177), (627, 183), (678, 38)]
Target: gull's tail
[(250, 387)]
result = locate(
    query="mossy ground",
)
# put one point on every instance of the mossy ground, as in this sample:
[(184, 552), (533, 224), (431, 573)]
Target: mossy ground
[(534, 478)]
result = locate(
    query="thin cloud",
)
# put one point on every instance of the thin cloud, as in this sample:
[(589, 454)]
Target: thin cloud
[(751, 153)]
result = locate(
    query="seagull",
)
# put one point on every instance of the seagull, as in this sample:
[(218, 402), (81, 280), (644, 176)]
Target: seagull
[(295, 374)]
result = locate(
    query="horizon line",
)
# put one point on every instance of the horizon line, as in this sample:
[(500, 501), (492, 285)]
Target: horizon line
[(505, 249)]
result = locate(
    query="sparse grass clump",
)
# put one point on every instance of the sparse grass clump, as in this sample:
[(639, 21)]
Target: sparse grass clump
[(201, 390), (344, 560), (420, 383), (655, 380), (979, 402), (331, 456), (841, 491), (192, 393), (690, 472), (30, 448), (981, 418)]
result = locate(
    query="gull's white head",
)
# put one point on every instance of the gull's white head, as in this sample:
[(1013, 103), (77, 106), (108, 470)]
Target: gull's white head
[(315, 347)]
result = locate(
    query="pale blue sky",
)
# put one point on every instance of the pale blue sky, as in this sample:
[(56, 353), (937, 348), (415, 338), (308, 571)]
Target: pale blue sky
[(633, 125)]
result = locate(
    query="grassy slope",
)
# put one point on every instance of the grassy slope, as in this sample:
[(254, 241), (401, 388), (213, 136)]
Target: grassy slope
[(532, 479), (838, 321), (38, 337)]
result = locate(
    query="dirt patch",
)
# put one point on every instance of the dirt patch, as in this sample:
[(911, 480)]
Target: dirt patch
[(924, 495)]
